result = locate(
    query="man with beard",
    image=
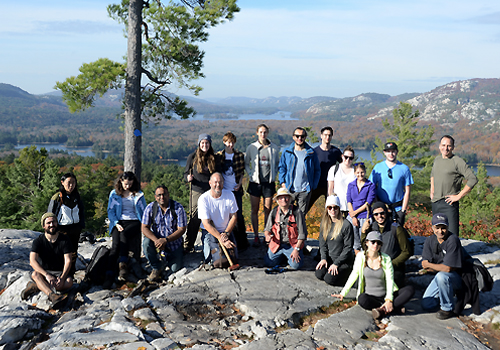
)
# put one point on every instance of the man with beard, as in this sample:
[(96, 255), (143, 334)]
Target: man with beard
[(50, 257)]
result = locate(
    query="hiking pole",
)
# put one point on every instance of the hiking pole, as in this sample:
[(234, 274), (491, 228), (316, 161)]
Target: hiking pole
[(231, 265)]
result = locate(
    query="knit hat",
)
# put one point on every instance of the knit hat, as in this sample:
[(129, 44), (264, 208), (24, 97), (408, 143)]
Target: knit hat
[(204, 137), (332, 201), (377, 205), (45, 216)]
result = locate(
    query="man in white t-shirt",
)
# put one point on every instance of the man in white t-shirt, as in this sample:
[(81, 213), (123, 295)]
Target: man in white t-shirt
[(339, 177), (217, 210)]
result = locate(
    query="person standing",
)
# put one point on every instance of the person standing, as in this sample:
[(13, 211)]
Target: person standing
[(328, 156), (163, 232), (68, 208), (447, 174), (299, 169), (261, 163), (339, 177), (200, 165), (233, 167), (393, 181)]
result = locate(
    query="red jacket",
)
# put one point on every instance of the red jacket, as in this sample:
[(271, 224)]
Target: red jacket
[(293, 231)]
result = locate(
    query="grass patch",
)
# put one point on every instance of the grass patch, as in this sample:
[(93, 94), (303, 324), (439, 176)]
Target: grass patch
[(324, 312)]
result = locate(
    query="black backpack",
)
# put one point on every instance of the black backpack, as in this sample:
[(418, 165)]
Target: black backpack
[(96, 269)]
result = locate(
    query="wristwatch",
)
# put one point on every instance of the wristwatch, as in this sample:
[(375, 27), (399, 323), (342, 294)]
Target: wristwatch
[(297, 248)]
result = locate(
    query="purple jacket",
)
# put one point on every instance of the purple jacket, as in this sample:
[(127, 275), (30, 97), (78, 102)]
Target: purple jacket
[(357, 199)]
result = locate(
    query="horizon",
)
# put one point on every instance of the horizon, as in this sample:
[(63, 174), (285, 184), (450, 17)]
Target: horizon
[(281, 48)]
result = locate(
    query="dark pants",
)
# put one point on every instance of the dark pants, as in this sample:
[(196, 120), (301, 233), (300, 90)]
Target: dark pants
[(122, 242), (339, 279), (451, 211), (73, 233), (194, 223), (240, 231), (315, 194), (401, 297)]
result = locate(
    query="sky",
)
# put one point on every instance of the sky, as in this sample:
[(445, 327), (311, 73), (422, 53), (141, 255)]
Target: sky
[(337, 48)]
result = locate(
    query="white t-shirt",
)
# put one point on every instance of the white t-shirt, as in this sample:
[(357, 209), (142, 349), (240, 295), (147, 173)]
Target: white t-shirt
[(217, 209), (228, 175), (341, 181)]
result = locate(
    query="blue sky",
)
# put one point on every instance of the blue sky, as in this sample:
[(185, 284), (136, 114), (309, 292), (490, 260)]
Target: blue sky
[(274, 48)]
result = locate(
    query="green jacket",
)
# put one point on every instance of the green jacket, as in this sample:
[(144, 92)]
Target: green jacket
[(357, 274)]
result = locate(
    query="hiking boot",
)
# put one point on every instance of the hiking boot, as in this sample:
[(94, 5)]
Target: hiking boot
[(123, 272), (154, 275), (444, 315), (30, 289), (378, 313), (57, 300)]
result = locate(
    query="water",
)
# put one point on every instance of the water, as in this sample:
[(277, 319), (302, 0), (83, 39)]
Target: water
[(281, 115)]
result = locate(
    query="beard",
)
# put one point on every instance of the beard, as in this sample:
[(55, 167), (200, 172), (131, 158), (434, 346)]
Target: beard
[(51, 231)]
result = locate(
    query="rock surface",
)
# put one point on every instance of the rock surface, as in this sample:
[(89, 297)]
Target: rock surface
[(217, 309)]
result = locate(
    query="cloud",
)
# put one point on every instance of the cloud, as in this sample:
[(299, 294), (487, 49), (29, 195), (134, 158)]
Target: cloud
[(491, 18)]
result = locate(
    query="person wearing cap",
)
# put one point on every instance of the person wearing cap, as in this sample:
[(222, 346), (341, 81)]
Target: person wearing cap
[(261, 163), (393, 180), (328, 156), (285, 233), (376, 288), (299, 169), (50, 258), (395, 239), (233, 168), (447, 174), (336, 239), (200, 165), (443, 256)]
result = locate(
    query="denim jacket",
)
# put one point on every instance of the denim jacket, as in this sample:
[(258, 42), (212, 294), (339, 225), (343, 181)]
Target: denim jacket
[(115, 207)]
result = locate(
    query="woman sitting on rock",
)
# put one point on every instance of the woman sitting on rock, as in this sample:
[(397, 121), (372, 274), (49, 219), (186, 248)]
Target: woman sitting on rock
[(68, 208), (125, 208), (336, 239), (376, 288)]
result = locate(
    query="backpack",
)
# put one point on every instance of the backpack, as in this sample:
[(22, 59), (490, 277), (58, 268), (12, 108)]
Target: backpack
[(484, 279), (172, 212), (96, 269)]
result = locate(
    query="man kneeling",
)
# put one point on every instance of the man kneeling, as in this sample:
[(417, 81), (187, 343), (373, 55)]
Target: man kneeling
[(217, 211), (50, 257)]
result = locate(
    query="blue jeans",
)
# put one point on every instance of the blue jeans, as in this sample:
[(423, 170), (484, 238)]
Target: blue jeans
[(175, 259), (441, 291), (283, 253), (209, 240)]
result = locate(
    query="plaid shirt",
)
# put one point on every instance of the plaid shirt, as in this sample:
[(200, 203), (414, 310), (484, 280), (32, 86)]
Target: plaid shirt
[(238, 163), (163, 223)]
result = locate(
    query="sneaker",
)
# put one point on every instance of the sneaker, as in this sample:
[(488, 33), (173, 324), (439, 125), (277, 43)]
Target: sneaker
[(154, 275), (444, 315), (123, 271), (57, 300), (30, 289), (378, 313)]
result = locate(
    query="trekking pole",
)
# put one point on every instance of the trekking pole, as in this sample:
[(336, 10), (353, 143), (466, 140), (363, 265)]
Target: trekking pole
[(231, 265)]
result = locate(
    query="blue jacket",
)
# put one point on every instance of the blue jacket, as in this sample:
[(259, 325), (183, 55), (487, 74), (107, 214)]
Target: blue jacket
[(287, 166), (115, 207)]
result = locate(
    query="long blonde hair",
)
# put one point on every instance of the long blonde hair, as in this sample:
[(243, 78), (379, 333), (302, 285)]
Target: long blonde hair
[(326, 225)]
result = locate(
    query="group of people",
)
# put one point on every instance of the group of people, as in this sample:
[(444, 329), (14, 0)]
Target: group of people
[(362, 236)]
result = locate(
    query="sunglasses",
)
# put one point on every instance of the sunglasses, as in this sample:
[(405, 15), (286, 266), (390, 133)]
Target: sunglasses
[(330, 208), (299, 136), (347, 157), (389, 173), (375, 242), (382, 213)]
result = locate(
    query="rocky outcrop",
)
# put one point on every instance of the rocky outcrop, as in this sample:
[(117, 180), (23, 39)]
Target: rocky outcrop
[(217, 309)]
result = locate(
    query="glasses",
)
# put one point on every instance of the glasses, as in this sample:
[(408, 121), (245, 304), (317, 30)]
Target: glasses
[(382, 213), (389, 173), (161, 194), (283, 197), (347, 157), (360, 163), (330, 208), (375, 242), (299, 136)]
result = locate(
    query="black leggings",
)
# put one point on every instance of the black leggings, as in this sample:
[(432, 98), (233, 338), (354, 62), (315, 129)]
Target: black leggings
[(121, 241), (401, 297), (337, 280)]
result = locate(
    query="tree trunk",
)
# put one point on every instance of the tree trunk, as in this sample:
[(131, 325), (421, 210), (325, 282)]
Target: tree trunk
[(133, 133)]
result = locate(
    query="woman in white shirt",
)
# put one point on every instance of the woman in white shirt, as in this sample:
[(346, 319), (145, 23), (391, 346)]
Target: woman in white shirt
[(339, 177)]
